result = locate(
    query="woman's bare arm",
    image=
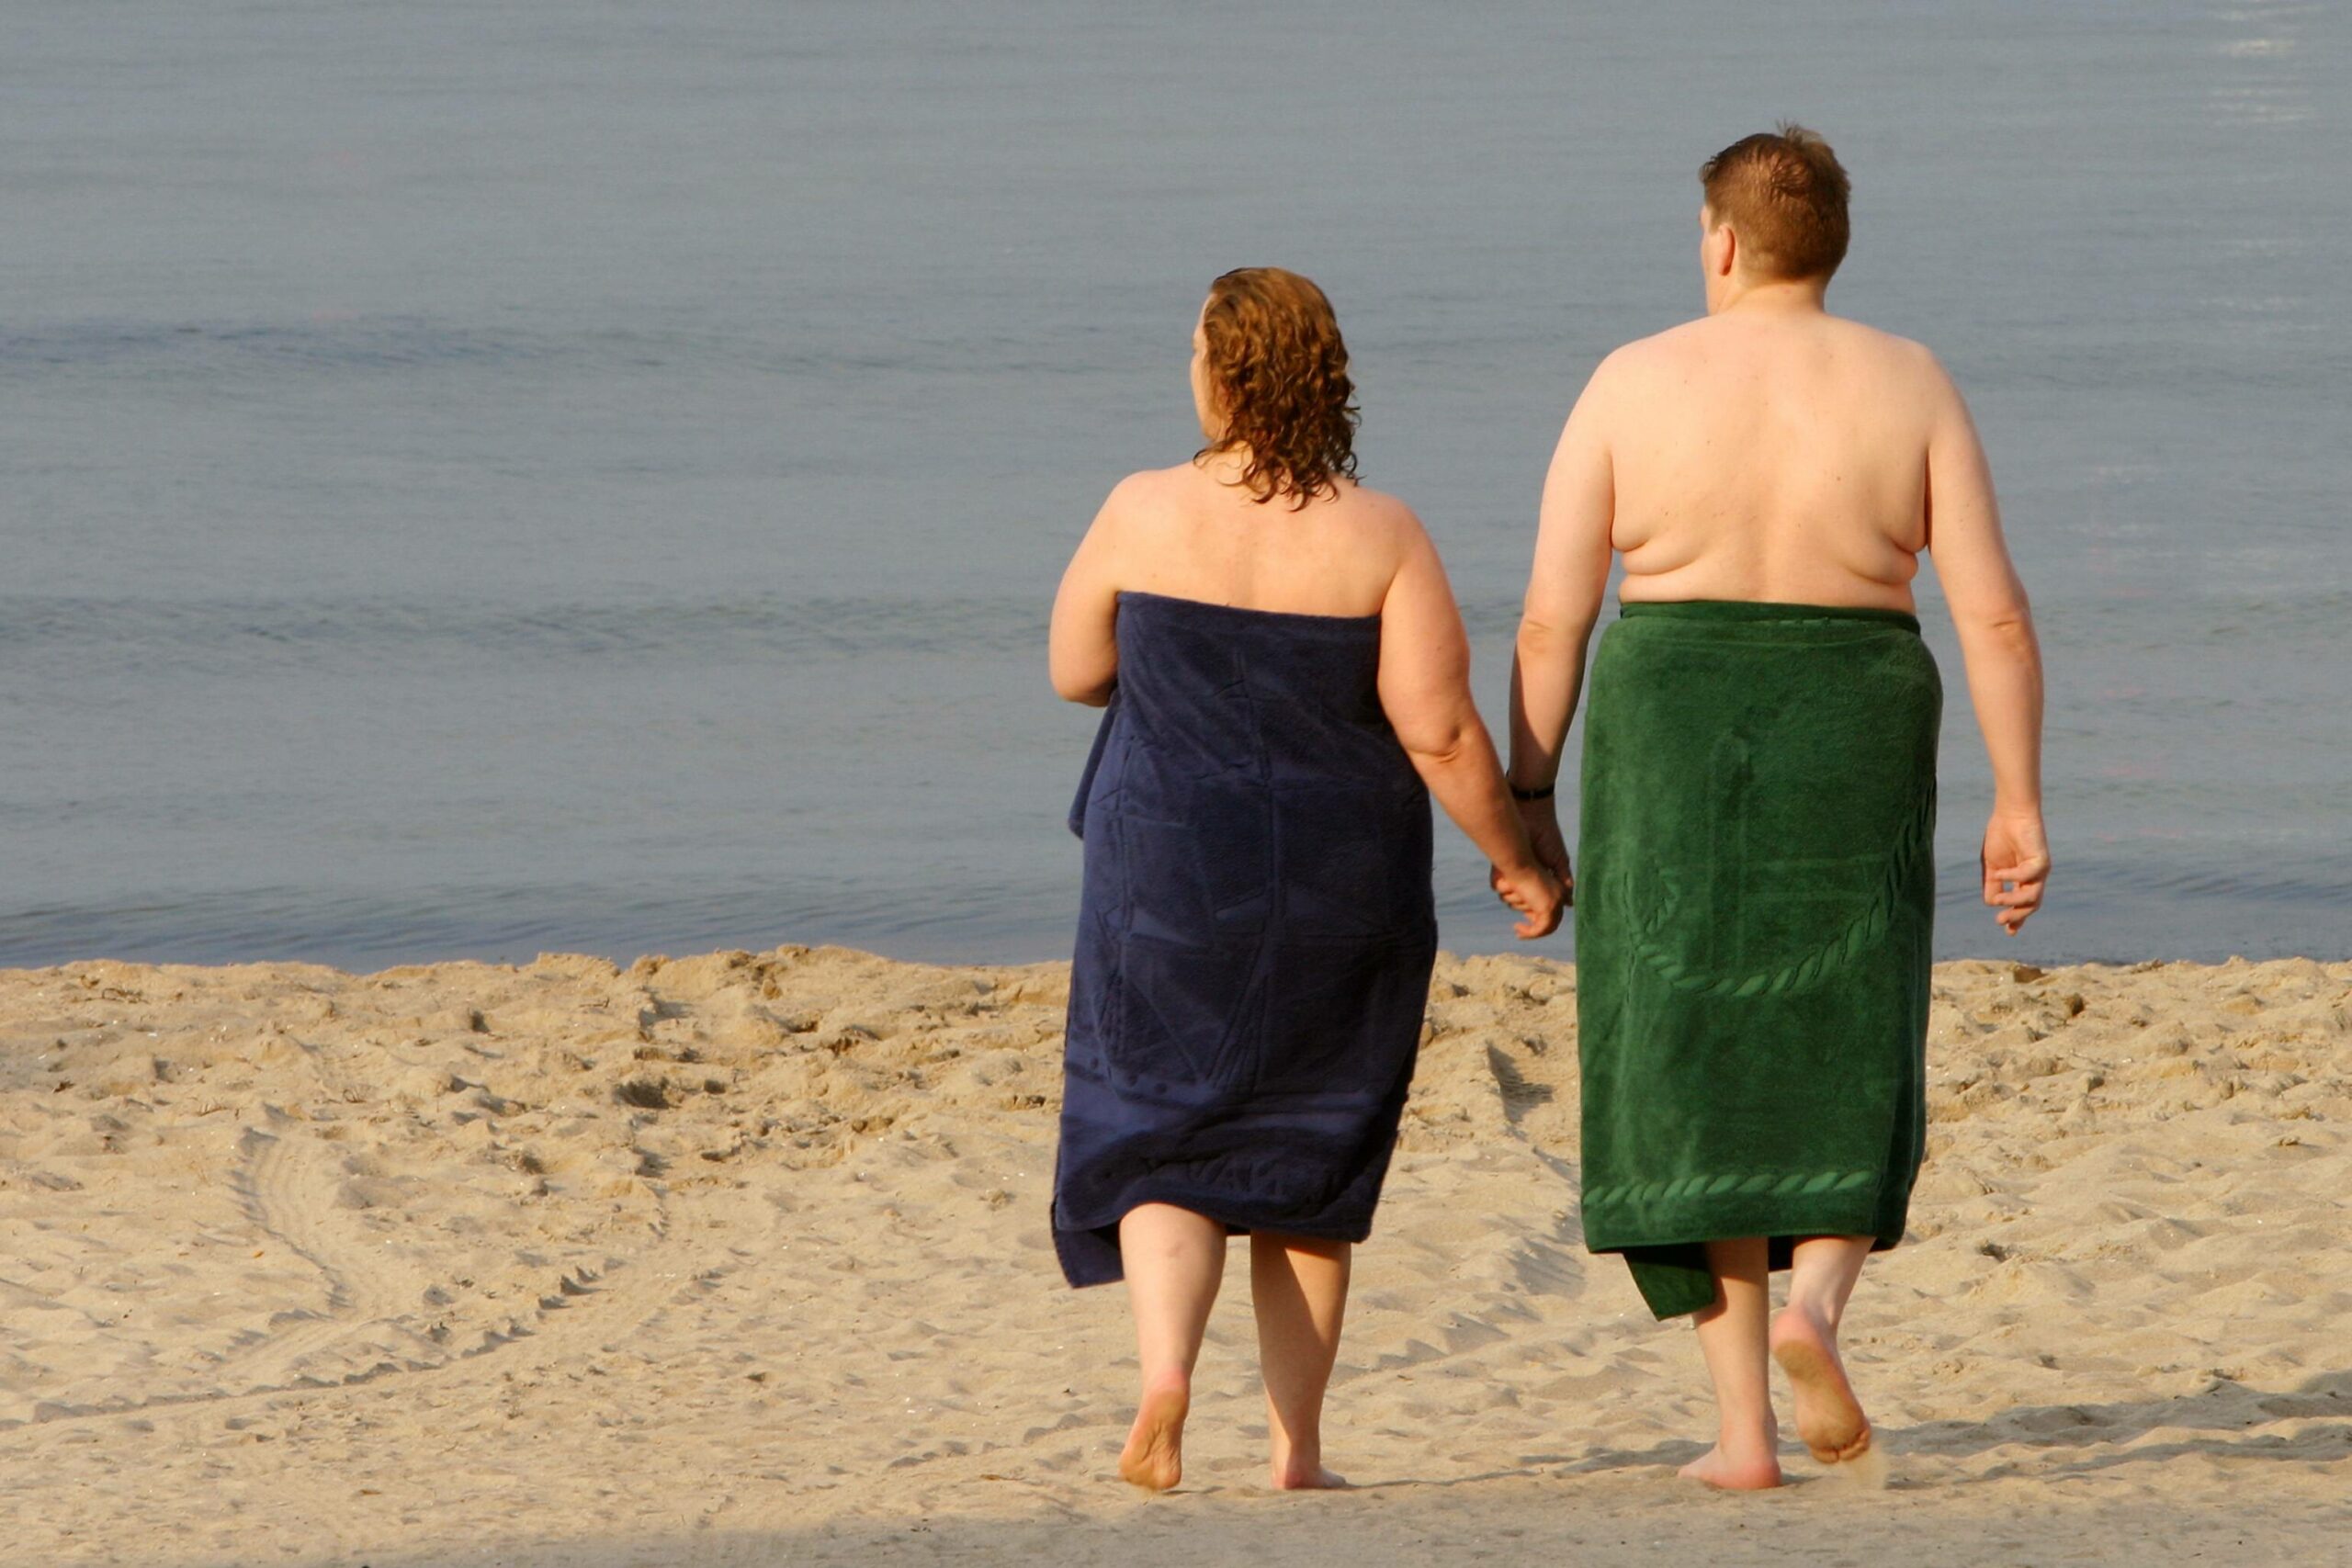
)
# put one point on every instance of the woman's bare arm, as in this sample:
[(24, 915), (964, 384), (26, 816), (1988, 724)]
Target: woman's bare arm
[(2002, 657), (1083, 649), (1425, 691)]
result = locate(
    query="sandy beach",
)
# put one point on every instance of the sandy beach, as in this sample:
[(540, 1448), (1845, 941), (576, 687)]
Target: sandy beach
[(743, 1258)]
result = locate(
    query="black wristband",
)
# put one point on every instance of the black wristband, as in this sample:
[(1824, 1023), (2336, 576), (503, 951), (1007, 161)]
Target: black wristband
[(1543, 794)]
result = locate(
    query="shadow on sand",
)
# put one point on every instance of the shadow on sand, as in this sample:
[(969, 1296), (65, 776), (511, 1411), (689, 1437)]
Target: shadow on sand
[(1599, 1509)]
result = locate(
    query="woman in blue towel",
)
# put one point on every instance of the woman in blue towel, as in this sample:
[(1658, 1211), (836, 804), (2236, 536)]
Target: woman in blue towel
[(1288, 685)]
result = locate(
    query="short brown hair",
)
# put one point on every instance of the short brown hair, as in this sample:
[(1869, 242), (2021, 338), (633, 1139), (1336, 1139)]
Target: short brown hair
[(1785, 193), (1280, 371)]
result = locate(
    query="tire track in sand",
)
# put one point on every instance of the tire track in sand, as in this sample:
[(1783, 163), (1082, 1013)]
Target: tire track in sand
[(290, 1188)]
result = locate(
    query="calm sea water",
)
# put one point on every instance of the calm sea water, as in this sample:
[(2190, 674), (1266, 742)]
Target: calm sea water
[(483, 480)]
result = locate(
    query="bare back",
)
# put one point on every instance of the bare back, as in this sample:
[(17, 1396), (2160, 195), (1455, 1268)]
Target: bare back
[(1774, 453), (1190, 533), (1193, 532), (1777, 455)]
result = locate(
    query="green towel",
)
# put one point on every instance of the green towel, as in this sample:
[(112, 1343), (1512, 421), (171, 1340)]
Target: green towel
[(1756, 885)]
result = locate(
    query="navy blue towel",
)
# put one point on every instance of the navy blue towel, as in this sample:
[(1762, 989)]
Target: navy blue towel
[(1255, 936)]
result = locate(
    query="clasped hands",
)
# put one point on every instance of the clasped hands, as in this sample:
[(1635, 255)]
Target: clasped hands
[(1542, 892)]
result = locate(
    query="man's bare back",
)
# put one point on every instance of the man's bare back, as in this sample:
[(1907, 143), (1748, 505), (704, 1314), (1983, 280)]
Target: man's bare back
[(1771, 452)]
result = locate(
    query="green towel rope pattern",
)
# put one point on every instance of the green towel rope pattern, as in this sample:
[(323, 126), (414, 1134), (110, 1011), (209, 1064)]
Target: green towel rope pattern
[(1793, 1184), (1857, 936)]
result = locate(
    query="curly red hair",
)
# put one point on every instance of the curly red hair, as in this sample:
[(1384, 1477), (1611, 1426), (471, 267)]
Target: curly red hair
[(1279, 370)]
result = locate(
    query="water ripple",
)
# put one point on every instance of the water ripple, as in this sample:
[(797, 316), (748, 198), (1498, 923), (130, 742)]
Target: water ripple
[(92, 636)]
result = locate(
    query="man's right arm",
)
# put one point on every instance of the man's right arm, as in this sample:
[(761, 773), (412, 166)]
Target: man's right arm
[(1565, 590), (1996, 640)]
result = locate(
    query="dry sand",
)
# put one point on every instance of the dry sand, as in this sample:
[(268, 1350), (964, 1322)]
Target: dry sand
[(743, 1258)]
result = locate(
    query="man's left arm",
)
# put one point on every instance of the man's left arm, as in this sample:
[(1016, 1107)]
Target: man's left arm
[(1565, 590)]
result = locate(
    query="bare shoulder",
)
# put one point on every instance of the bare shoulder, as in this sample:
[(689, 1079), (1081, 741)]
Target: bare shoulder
[(1633, 363), (1147, 489), (1382, 515), (1629, 376), (1902, 373), (1900, 355), (1146, 499)]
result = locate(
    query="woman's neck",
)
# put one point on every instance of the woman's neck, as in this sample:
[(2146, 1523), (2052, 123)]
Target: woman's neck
[(1225, 465)]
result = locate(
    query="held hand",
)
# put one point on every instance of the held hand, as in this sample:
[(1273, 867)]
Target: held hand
[(1538, 896), (1542, 821), (2016, 863)]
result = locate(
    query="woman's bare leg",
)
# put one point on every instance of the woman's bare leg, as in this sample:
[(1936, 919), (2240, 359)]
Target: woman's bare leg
[(1804, 1341), (1174, 1261), (1300, 1289), (1732, 1338)]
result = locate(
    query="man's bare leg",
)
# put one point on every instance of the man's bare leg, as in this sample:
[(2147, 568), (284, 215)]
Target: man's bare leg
[(1174, 1261), (1732, 1338), (1300, 1287), (1804, 1341)]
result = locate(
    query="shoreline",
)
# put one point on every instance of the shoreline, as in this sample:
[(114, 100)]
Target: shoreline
[(745, 1253), (1556, 951)]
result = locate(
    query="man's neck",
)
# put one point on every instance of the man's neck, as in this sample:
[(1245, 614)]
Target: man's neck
[(1775, 294)]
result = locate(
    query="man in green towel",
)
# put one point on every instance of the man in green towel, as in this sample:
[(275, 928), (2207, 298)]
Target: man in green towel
[(1758, 783)]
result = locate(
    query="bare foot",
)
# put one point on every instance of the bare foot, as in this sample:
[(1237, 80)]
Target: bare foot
[(1294, 1477), (1154, 1457), (1744, 1472), (1830, 1422)]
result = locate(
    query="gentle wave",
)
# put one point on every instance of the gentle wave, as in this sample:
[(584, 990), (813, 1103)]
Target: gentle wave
[(124, 636), (94, 632), (140, 351)]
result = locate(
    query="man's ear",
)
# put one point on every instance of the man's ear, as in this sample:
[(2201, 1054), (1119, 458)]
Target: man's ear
[(1729, 257)]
